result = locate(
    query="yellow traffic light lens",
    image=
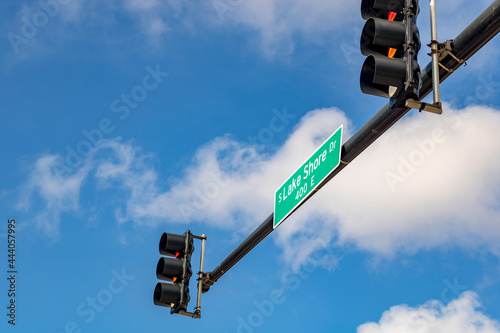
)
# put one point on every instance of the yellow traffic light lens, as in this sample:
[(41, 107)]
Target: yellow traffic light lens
[(392, 52)]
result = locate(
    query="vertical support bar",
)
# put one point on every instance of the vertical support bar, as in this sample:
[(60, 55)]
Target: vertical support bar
[(408, 39), (200, 274), (187, 257), (435, 54), (197, 312)]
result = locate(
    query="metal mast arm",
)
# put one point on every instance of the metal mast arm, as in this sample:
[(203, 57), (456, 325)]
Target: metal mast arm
[(464, 46)]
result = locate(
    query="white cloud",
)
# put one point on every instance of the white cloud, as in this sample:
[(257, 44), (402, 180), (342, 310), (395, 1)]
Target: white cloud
[(280, 24), (276, 26), (40, 25), (229, 184), (142, 4), (51, 190), (462, 315), (152, 14), (277, 22), (58, 196), (222, 186), (430, 181)]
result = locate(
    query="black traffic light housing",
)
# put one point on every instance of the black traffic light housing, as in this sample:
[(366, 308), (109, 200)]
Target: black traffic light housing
[(390, 39), (177, 270)]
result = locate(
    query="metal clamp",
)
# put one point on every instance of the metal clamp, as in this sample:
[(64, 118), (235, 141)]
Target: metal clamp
[(421, 106), (201, 277), (443, 50)]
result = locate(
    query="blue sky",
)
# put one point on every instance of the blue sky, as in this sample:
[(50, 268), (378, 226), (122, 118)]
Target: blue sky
[(124, 119)]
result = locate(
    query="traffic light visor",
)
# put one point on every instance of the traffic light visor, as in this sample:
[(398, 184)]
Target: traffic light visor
[(382, 76), (379, 35), (381, 8), (170, 269), (172, 244), (166, 294)]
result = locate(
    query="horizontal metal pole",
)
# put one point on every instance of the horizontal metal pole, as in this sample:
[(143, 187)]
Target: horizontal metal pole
[(465, 45), (249, 243)]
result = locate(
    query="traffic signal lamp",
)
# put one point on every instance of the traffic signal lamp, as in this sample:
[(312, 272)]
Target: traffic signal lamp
[(382, 8), (390, 40), (176, 269)]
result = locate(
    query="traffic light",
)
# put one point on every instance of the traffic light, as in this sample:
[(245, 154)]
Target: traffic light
[(390, 40), (176, 269)]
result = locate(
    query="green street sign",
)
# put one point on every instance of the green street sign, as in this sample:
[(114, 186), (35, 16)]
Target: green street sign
[(301, 184)]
